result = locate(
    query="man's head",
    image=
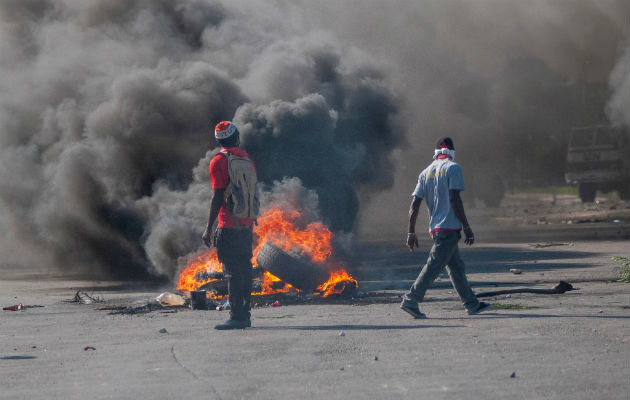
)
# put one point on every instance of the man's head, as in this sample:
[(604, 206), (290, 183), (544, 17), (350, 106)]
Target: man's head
[(445, 143), (227, 134), (444, 148)]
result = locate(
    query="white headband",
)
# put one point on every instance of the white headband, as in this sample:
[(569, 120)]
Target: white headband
[(444, 151)]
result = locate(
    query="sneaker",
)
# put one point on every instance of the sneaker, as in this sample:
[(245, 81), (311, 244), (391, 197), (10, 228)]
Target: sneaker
[(412, 308), (232, 324), (482, 307)]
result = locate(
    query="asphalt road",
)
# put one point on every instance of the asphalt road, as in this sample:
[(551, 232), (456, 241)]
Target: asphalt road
[(570, 346)]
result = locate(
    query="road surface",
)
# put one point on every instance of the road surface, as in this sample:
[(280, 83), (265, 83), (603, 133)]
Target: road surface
[(570, 346)]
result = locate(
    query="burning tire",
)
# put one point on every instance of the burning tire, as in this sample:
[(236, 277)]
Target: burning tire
[(294, 270)]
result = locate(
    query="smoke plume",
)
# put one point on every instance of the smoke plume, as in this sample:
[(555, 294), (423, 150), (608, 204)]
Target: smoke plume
[(106, 109), (618, 108), (106, 114)]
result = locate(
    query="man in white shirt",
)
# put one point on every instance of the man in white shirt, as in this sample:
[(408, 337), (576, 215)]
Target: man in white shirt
[(439, 184)]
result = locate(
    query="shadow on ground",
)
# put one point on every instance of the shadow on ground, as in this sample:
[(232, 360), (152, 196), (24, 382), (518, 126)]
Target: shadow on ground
[(394, 262), (350, 327)]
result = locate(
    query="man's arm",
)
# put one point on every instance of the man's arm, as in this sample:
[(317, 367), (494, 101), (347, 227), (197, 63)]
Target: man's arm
[(412, 239), (458, 209), (215, 206)]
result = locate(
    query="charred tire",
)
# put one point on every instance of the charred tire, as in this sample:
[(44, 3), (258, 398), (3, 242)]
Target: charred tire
[(587, 192), (294, 270)]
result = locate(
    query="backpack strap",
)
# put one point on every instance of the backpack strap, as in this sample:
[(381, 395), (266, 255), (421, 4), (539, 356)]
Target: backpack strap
[(227, 155)]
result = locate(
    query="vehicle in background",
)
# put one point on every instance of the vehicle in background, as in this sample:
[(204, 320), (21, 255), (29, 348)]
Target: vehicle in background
[(598, 158)]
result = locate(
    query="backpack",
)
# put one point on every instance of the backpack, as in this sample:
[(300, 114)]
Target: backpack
[(241, 196)]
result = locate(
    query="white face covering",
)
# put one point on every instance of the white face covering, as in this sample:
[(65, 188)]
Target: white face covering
[(445, 151)]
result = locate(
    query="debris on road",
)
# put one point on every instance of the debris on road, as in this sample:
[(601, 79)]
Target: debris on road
[(198, 300), (276, 304), (217, 284), (559, 288), (15, 307), (515, 271), (84, 298), (170, 299), (276, 316), (129, 310), (342, 334), (163, 330), (86, 348), (512, 306), (551, 244), (513, 375)]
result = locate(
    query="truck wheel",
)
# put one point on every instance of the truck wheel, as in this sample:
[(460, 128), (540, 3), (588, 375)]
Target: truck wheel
[(587, 192)]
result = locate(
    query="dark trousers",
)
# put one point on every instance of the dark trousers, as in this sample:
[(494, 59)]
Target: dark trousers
[(234, 248), (444, 253)]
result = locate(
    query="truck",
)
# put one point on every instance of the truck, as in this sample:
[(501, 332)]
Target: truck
[(598, 158)]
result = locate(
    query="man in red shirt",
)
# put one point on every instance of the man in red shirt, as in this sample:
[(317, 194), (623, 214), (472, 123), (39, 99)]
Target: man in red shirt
[(233, 237)]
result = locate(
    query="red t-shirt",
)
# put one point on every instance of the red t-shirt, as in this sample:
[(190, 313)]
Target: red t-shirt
[(220, 178)]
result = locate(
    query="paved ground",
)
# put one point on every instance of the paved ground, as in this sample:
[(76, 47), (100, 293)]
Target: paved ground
[(570, 346)]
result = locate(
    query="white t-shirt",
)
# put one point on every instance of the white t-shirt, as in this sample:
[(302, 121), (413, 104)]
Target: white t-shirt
[(433, 186)]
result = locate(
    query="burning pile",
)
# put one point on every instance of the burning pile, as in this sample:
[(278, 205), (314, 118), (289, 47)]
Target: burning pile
[(288, 256)]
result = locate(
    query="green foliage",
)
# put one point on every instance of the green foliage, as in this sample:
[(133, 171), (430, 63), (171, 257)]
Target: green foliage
[(624, 271)]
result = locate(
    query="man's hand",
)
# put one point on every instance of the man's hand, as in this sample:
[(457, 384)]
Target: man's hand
[(470, 237), (207, 237), (412, 240)]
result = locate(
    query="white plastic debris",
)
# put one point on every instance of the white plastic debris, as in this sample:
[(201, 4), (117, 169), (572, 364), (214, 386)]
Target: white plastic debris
[(170, 299), (515, 271), (342, 334)]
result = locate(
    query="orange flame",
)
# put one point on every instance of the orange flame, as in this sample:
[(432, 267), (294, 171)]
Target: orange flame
[(282, 229), (287, 232), (272, 284), (336, 284), (206, 262)]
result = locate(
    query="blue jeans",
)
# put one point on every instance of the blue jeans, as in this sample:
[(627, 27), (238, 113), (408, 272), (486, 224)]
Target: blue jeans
[(444, 253)]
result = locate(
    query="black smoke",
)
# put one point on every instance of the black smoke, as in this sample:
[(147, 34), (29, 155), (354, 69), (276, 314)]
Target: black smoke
[(106, 109), (106, 115)]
